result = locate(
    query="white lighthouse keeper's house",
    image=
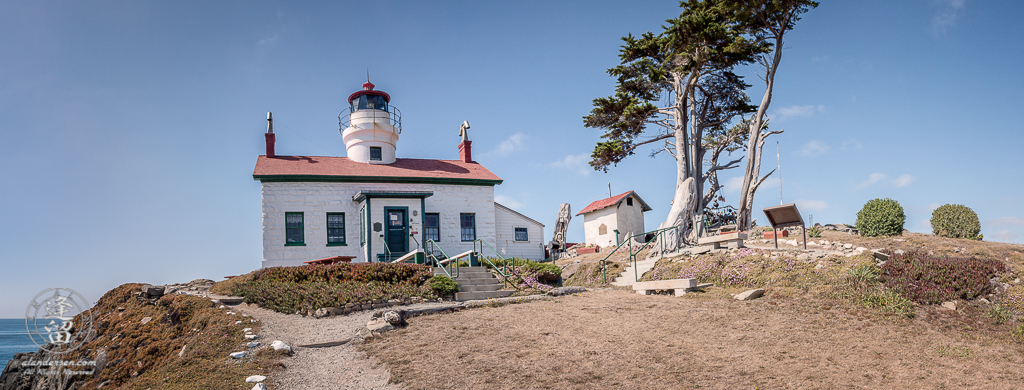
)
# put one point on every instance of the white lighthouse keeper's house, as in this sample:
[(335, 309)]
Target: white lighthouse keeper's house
[(372, 206)]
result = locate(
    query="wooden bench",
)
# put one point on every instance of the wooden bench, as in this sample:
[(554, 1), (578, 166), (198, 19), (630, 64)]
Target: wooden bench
[(732, 240), (679, 286)]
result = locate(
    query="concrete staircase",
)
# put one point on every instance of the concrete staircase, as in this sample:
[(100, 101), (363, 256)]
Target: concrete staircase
[(628, 276), (476, 283)]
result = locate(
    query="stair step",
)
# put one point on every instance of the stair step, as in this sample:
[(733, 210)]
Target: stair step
[(479, 287), (470, 296)]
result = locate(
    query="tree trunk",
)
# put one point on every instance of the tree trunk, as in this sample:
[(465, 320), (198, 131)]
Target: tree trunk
[(743, 218)]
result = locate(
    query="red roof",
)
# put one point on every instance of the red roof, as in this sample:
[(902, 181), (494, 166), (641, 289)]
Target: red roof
[(320, 168), (613, 201)]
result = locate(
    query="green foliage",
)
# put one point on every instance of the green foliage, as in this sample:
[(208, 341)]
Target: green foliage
[(310, 287), (1018, 333), (863, 275), (934, 279), (888, 301), (544, 272), (814, 232), (881, 217), (443, 285), (998, 314), (956, 221)]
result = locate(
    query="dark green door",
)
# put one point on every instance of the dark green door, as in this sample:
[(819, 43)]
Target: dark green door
[(397, 231)]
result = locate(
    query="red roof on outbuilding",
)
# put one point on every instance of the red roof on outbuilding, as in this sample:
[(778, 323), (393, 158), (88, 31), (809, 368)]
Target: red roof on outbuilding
[(320, 168), (613, 201)]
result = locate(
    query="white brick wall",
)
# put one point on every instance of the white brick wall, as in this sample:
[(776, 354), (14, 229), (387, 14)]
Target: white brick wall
[(506, 222), (315, 200)]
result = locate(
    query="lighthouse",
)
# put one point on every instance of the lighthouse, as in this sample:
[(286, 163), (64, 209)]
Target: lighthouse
[(370, 126)]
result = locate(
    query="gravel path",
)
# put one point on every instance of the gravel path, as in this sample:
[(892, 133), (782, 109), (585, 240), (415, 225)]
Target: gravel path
[(340, 367)]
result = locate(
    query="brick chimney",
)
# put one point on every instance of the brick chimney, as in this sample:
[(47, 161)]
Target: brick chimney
[(465, 151), (270, 136)]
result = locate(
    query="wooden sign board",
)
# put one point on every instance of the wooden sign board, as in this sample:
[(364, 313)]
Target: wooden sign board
[(783, 216)]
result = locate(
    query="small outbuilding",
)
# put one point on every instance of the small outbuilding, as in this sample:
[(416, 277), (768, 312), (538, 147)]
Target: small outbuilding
[(607, 221)]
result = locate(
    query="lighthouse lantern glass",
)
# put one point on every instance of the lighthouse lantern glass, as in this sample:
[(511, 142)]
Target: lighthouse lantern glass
[(374, 102)]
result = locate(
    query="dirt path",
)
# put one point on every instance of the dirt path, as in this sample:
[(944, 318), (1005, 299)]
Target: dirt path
[(341, 367), (617, 339)]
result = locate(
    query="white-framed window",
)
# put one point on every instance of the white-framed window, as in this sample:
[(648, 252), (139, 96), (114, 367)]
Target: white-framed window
[(522, 234)]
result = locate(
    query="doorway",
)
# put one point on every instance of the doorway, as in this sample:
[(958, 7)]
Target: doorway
[(397, 233)]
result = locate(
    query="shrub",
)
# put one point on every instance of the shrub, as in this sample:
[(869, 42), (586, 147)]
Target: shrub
[(889, 301), (863, 275), (814, 232), (998, 314), (956, 221), (881, 217), (933, 279), (443, 285)]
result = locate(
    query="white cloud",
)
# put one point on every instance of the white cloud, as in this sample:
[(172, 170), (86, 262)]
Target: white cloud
[(508, 202), (1005, 236), (947, 16), (852, 144), (810, 205), (814, 148), (878, 177), (1006, 221), (798, 111), (268, 41), (872, 179), (514, 143), (733, 185), (575, 162), (903, 180)]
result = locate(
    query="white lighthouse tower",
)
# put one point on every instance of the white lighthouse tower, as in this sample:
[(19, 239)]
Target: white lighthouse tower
[(370, 127)]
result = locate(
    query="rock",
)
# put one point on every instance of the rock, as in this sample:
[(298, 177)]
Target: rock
[(238, 322), (145, 320), (791, 242), (246, 329), (803, 257), (259, 386), (279, 345), (238, 355), (1016, 281), (394, 302), (220, 307), (379, 325), (182, 352), (393, 318), (250, 337), (255, 379), (847, 246), (986, 301), (153, 291), (879, 255), (253, 344), (819, 266), (749, 294), (558, 291), (321, 313), (899, 252), (949, 305), (825, 243), (861, 249)]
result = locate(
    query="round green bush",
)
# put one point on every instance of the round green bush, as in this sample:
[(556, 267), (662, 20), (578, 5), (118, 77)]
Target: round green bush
[(443, 285), (956, 221), (881, 217)]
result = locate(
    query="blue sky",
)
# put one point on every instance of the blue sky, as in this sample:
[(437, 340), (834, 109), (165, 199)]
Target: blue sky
[(130, 129)]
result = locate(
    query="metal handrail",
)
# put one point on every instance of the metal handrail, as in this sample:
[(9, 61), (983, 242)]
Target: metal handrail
[(387, 251), (394, 115), (632, 255), (433, 245), (505, 261)]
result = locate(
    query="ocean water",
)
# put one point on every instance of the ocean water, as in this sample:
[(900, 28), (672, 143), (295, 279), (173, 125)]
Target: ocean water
[(13, 339)]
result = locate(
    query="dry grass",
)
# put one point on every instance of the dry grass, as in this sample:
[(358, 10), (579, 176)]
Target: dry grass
[(802, 334), (617, 339), (146, 355)]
